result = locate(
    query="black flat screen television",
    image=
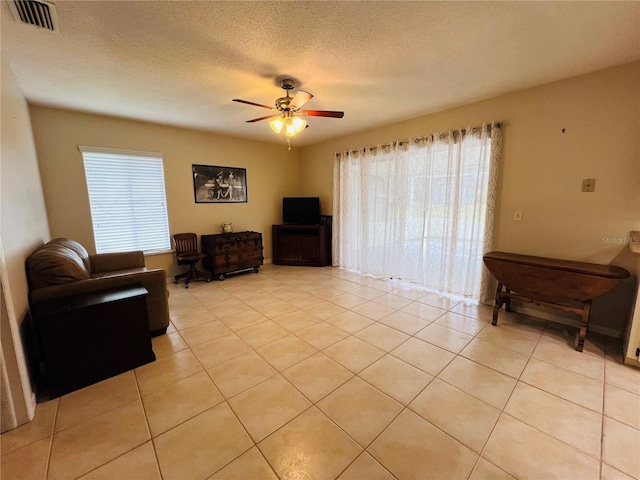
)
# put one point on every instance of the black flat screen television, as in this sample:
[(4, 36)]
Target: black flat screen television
[(301, 210)]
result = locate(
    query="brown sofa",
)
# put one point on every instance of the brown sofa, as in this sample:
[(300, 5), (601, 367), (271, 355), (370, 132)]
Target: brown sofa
[(62, 267)]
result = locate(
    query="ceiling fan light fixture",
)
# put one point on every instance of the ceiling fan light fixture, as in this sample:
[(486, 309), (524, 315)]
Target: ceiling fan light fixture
[(299, 123), (276, 124), (290, 129), (288, 111)]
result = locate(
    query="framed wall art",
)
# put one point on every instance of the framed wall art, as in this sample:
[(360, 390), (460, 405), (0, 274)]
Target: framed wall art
[(213, 184)]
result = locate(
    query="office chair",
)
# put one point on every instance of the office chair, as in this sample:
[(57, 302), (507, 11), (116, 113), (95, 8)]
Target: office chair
[(186, 245)]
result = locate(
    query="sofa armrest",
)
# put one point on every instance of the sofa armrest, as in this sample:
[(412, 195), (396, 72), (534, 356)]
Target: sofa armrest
[(155, 281), (107, 262)]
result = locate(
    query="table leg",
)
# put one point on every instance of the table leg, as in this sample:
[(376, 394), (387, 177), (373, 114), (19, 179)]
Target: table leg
[(496, 309), (584, 324), (507, 306)]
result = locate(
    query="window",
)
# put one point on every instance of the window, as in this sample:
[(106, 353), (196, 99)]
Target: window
[(127, 200)]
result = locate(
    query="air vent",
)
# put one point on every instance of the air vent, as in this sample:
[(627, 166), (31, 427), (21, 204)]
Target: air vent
[(35, 12)]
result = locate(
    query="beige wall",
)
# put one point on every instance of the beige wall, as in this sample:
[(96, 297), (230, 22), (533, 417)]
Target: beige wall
[(542, 168), (23, 228), (272, 172)]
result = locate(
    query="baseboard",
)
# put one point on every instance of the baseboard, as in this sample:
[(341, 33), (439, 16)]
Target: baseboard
[(632, 362)]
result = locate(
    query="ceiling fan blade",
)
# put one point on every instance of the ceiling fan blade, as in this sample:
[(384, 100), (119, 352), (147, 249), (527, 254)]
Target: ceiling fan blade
[(300, 99), (321, 113), (254, 104), (261, 118)]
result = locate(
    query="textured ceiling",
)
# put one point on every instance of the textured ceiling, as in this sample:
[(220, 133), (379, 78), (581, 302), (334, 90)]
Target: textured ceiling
[(181, 62)]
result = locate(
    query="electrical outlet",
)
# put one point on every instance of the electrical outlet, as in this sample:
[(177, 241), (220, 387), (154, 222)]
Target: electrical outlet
[(517, 215), (588, 184)]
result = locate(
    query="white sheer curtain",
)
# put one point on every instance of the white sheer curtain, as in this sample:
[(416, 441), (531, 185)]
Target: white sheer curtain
[(419, 210)]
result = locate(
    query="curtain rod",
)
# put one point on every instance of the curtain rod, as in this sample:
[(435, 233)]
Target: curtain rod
[(425, 137)]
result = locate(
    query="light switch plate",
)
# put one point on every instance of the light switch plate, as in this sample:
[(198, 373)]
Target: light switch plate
[(588, 184)]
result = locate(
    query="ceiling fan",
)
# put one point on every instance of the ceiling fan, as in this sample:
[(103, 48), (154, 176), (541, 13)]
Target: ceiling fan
[(288, 111)]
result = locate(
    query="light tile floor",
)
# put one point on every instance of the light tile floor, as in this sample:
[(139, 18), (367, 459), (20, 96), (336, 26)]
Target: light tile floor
[(301, 373)]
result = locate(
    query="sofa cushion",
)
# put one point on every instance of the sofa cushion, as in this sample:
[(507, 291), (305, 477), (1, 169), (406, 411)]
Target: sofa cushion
[(108, 262), (56, 263), (76, 247)]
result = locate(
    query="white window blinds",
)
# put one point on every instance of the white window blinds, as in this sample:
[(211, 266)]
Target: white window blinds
[(127, 199)]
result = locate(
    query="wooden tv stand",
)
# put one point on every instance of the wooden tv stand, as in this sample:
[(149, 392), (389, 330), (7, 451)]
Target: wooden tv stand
[(302, 245)]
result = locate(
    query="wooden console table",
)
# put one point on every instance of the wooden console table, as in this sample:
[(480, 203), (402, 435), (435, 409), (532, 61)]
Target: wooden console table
[(232, 252), (552, 283)]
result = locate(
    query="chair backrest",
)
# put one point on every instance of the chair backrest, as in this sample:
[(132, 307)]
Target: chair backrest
[(185, 243)]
